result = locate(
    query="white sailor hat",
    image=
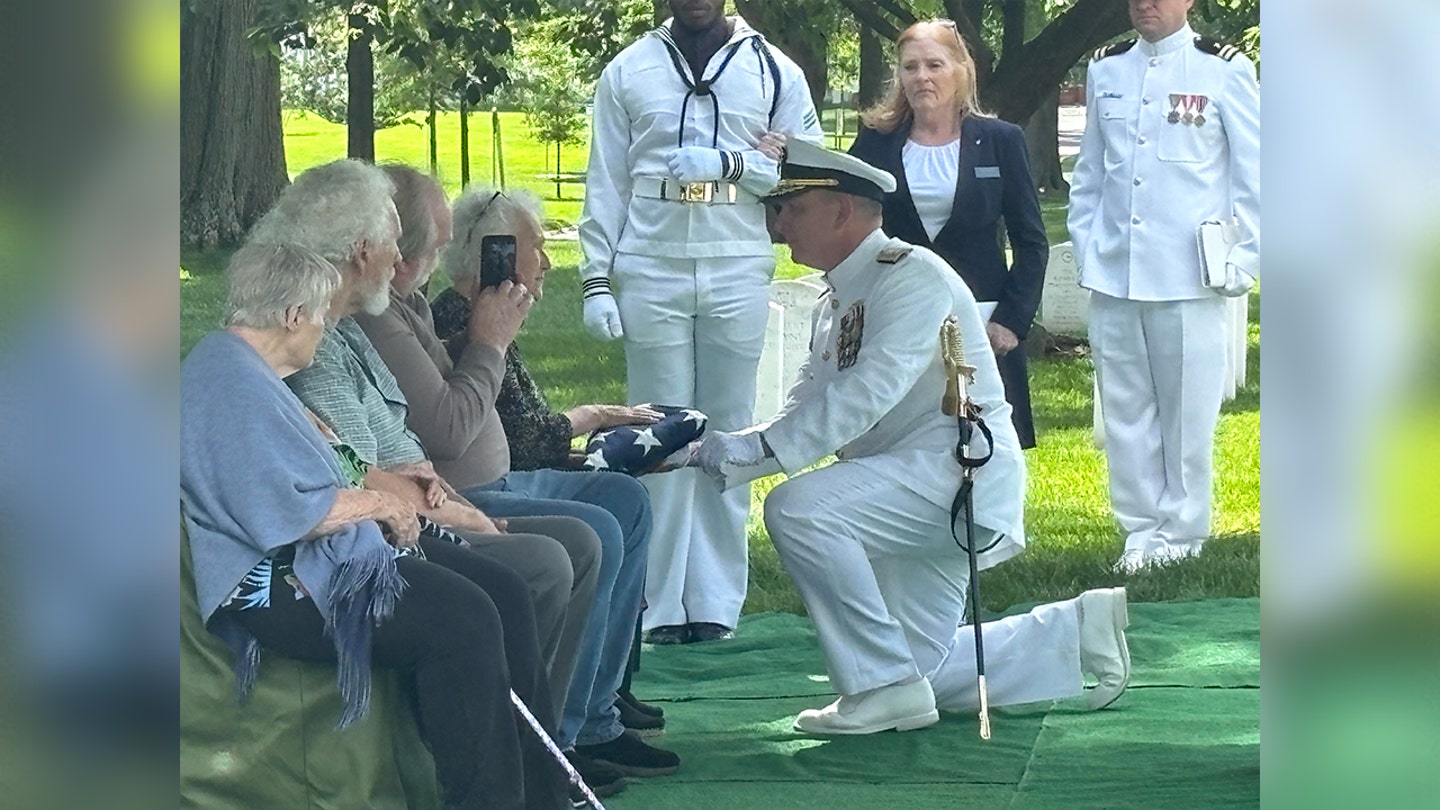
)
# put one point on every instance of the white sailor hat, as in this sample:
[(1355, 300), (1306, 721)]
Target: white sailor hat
[(807, 166)]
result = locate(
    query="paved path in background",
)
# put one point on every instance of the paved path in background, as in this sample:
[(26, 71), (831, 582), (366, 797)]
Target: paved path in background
[(1072, 123)]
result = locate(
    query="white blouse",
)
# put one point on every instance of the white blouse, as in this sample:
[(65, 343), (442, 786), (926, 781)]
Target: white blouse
[(932, 172)]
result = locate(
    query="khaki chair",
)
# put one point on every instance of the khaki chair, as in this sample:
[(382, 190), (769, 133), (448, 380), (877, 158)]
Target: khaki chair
[(281, 749)]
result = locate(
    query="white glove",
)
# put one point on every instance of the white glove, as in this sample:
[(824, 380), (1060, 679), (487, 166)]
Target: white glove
[(1237, 282), (694, 164), (602, 317), (719, 448)]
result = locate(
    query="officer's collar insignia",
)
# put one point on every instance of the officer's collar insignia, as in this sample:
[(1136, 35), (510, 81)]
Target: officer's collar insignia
[(891, 255), (852, 330), (1187, 109)]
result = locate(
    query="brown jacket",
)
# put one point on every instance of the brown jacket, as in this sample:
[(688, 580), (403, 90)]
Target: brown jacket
[(452, 403)]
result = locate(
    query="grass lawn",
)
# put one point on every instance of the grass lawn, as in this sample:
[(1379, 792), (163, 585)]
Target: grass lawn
[(311, 140), (1073, 538)]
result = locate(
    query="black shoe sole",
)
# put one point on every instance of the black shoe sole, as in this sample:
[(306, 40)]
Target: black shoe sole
[(646, 733)]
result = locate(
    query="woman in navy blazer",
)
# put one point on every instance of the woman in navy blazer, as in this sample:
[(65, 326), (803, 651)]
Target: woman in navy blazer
[(960, 173)]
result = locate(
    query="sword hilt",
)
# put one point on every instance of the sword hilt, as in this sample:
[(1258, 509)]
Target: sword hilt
[(958, 374)]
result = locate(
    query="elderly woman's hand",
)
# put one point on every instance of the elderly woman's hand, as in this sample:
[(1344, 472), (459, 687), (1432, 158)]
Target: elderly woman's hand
[(588, 418), (423, 475), (397, 520), (1002, 340), (498, 314)]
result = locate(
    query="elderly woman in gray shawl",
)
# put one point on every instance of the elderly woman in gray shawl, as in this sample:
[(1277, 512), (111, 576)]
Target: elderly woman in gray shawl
[(292, 556)]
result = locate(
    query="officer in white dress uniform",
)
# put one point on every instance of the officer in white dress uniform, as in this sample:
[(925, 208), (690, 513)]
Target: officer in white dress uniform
[(868, 539), (1172, 139), (673, 215)]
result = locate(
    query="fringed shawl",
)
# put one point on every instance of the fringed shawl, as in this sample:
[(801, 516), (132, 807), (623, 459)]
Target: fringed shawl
[(256, 475)]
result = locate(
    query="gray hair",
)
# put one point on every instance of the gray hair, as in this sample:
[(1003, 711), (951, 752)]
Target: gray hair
[(266, 280), (482, 212), (870, 208), (331, 209), (415, 193)]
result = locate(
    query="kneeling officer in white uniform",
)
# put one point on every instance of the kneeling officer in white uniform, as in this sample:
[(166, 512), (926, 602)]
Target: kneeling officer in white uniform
[(868, 539)]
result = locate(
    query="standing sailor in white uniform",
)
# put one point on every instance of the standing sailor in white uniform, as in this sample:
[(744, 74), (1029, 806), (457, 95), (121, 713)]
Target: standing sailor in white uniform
[(1172, 139), (868, 539), (687, 127)]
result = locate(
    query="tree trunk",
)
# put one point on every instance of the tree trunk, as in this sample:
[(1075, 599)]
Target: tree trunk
[(874, 69), (1015, 86), (557, 171), (360, 100), (1042, 138), (1027, 75), (464, 144), (811, 60), (432, 124), (232, 149)]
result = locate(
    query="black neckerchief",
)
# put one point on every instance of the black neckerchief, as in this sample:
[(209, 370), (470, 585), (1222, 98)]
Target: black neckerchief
[(698, 87), (699, 47)]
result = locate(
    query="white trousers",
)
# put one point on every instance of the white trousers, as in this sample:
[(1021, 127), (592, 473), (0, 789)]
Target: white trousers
[(885, 585), (694, 329), (1160, 366)]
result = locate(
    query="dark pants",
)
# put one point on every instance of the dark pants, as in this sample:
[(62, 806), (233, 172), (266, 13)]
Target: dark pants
[(1015, 376), (462, 635)]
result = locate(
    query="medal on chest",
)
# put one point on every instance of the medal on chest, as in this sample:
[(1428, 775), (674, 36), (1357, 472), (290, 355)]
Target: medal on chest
[(852, 329), (1187, 109)]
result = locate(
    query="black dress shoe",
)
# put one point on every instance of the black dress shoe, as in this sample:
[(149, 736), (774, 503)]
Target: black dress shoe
[(709, 631), (646, 725), (604, 780), (632, 756), (667, 634), (626, 696)]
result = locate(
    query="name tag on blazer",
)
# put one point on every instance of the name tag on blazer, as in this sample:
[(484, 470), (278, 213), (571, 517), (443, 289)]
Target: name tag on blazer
[(987, 172)]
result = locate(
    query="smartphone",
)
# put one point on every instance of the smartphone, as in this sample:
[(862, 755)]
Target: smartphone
[(497, 260)]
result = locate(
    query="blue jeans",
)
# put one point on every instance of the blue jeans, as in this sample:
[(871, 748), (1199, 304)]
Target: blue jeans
[(617, 507)]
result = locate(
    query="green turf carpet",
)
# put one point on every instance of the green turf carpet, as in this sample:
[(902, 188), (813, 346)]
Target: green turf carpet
[(1186, 734)]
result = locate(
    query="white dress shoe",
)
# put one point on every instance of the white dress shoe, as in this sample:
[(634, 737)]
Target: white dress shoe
[(902, 708), (1103, 651), (1133, 561)]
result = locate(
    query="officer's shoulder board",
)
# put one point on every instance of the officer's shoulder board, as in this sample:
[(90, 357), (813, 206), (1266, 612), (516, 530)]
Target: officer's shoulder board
[(1215, 47), (1113, 50), (892, 255)]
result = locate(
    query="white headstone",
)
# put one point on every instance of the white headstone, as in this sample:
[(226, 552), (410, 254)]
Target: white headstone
[(787, 341), (1064, 304), (770, 377)]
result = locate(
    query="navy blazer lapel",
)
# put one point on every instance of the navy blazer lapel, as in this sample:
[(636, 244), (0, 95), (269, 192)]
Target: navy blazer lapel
[(896, 157), (972, 141)]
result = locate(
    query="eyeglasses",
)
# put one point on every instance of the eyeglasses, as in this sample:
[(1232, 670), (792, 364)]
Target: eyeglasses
[(480, 216), (948, 23)]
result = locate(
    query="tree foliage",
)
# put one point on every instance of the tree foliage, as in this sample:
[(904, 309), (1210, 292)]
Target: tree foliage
[(458, 45), (313, 77), (596, 30), (551, 85), (1024, 48)]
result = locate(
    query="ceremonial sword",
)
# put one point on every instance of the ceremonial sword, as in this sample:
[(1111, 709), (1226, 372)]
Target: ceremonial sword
[(957, 403)]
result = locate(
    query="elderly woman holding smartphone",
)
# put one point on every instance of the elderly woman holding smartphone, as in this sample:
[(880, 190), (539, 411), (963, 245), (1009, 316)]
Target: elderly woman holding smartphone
[(539, 437), (961, 175)]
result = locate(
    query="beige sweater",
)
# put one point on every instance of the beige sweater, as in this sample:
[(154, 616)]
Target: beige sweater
[(452, 403)]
